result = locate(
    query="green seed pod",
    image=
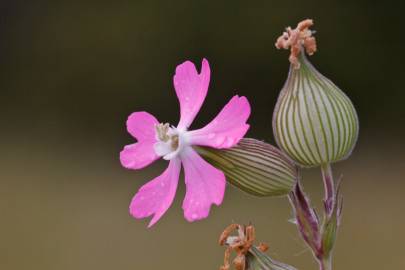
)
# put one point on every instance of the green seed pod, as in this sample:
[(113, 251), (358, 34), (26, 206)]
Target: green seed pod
[(314, 122), (255, 167)]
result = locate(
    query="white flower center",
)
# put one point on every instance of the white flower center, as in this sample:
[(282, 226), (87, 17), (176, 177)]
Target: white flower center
[(170, 141)]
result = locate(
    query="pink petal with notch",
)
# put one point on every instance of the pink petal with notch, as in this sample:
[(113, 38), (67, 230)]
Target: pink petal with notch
[(138, 155), (205, 186), (141, 125), (191, 89), (155, 197)]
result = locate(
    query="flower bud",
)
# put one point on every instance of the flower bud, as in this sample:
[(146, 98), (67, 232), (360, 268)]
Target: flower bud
[(314, 122), (255, 167)]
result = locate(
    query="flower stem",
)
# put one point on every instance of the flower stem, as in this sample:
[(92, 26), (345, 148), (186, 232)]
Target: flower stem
[(325, 264), (329, 187), (319, 236), (325, 260)]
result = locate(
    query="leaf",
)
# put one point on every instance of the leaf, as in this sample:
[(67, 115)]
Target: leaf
[(306, 218)]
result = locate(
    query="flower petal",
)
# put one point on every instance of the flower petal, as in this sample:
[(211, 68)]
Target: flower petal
[(205, 186), (191, 89), (155, 197), (141, 125), (227, 128), (138, 155)]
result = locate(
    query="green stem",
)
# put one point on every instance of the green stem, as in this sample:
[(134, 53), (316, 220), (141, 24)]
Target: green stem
[(329, 186), (325, 261), (325, 264)]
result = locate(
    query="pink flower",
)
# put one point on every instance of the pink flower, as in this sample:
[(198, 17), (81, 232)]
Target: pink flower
[(205, 184)]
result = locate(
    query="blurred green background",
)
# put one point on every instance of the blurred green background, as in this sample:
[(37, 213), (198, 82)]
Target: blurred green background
[(72, 71)]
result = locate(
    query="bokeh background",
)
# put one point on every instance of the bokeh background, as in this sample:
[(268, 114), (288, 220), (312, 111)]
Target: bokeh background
[(72, 71)]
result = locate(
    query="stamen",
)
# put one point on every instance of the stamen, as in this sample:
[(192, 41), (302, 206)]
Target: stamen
[(162, 130), (168, 141), (175, 142)]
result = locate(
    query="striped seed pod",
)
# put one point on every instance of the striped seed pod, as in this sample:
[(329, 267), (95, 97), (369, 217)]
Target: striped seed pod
[(314, 122), (255, 167)]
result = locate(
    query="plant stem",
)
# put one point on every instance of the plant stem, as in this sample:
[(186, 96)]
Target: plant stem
[(325, 264), (325, 261), (329, 187), (320, 237)]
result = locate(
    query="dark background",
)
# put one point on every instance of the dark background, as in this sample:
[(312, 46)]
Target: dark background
[(71, 73)]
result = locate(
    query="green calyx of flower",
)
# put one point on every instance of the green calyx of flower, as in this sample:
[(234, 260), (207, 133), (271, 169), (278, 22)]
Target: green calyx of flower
[(258, 260), (314, 122), (255, 167)]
